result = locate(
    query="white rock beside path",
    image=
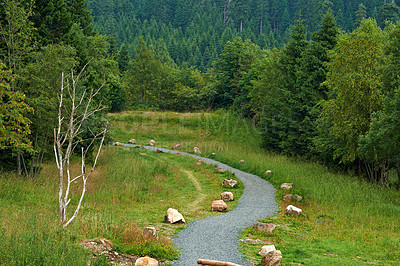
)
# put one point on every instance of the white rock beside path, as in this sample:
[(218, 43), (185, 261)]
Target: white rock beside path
[(152, 142), (293, 210), (266, 249), (227, 196), (229, 183), (219, 206), (286, 186), (146, 261), (196, 150), (173, 216)]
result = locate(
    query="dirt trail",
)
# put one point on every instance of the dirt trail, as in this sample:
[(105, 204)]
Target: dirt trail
[(194, 206)]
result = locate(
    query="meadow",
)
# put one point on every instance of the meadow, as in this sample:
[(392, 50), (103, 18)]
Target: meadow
[(345, 220)]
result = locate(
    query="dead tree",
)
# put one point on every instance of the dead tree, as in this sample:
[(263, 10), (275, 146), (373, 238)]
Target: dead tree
[(73, 111)]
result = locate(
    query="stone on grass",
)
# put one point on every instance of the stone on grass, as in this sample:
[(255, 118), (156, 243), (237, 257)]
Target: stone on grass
[(176, 146), (173, 216), (199, 162), (241, 161), (264, 227), (132, 141), (159, 150), (219, 170), (290, 197), (229, 182), (196, 150), (268, 172), (219, 206), (142, 153), (98, 245), (273, 258), (118, 144), (150, 231), (266, 249), (152, 142), (227, 196), (286, 186), (213, 154), (293, 210), (146, 261)]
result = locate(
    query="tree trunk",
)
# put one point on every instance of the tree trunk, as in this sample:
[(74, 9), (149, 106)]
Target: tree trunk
[(261, 27), (398, 172), (241, 25), (19, 168)]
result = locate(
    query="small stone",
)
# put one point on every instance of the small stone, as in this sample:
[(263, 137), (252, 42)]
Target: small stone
[(118, 144), (272, 258), (227, 196), (173, 216), (219, 170), (132, 141), (264, 227), (286, 186), (143, 154), (196, 150), (146, 261), (219, 205), (199, 162), (152, 142), (266, 249), (176, 146), (229, 183), (268, 172), (213, 154), (290, 197), (241, 161), (293, 210), (160, 151), (150, 231)]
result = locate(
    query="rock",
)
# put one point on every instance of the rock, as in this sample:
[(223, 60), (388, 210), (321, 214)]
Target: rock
[(268, 172), (142, 153), (139, 146), (219, 170), (219, 205), (158, 150), (98, 245), (229, 183), (264, 227), (199, 162), (196, 150), (132, 141), (152, 142), (213, 154), (290, 197), (241, 161), (293, 210), (286, 186), (227, 196), (266, 249), (146, 261), (173, 216), (118, 144), (176, 146), (273, 258), (150, 231)]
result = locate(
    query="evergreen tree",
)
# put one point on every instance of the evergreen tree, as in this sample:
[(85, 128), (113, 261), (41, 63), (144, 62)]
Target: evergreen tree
[(123, 58), (361, 14), (81, 15)]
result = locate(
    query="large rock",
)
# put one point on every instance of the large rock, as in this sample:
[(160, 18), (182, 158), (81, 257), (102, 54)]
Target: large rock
[(264, 227), (266, 249), (219, 206), (273, 258), (173, 216), (229, 182), (146, 261), (118, 144), (196, 150), (293, 210), (150, 231), (290, 197), (219, 170), (286, 186), (152, 142), (132, 141), (176, 146), (227, 196)]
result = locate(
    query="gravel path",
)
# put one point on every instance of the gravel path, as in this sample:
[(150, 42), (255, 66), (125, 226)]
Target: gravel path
[(216, 237)]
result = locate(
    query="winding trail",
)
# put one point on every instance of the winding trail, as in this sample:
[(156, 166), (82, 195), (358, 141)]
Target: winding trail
[(216, 237)]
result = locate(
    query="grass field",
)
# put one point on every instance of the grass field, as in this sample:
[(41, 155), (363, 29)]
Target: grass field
[(345, 221)]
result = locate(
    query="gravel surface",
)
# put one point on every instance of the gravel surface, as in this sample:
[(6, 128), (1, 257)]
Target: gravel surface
[(216, 237)]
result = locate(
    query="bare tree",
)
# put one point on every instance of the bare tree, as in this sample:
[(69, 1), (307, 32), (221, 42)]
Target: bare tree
[(74, 109)]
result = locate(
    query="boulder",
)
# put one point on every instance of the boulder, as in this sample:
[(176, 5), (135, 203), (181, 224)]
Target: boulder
[(229, 182), (173, 216), (219, 170), (118, 144), (286, 186), (266, 249), (273, 258), (199, 162), (98, 245), (290, 197), (293, 210), (132, 141), (268, 172), (196, 150), (264, 227), (150, 231), (219, 205), (176, 146), (152, 142), (227, 196), (241, 161), (146, 261)]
